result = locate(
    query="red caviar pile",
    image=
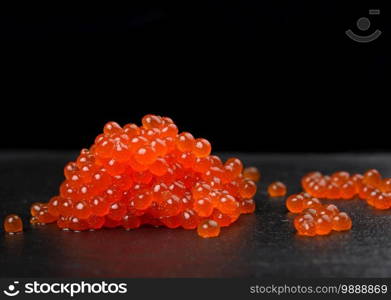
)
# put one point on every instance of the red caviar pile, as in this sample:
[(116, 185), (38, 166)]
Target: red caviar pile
[(370, 187), (314, 218), (149, 174)]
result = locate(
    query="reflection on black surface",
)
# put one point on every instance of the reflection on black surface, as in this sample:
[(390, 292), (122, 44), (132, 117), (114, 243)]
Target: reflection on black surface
[(151, 252), (14, 243)]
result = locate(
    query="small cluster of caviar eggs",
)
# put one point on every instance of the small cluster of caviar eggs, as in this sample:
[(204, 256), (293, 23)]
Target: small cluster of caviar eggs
[(370, 186), (314, 218), (149, 174)]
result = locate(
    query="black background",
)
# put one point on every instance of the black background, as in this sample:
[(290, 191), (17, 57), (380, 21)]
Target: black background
[(248, 75)]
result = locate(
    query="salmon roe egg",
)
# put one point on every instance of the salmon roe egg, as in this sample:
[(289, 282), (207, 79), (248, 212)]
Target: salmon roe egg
[(185, 142), (386, 185), (252, 173), (208, 228), (13, 224), (323, 225), (341, 222), (295, 203), (305, 226), (277, 189), (202, 147), (247, 188), (372, 177), (347, 190), (35, 208)]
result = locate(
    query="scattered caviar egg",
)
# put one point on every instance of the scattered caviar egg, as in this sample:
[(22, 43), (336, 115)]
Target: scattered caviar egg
[(386, 185), (295, 203), (341, 222), (357, 181), (382, 201), (13, 224), (208, 228), (305, 227), (323, 225), (340, 177), (276, 189), (247, 206), (312, 203), (332, 210), (348, 190), (372, 177), (252, 173), (149, 175)]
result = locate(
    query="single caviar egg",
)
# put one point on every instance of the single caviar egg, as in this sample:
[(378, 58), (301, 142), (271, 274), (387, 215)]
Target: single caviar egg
[(252, 173), (53, 206), (357, 181), (323, 225), (331, 210), (386, 185), (382, 201), (276, 189), (247, 206), (233, 167), (295, 203), (340, 177), (208, 228), (247, 189), (202, 147), (130, 221), (185, 142), (372, 177), (347, 190), (189, 219), (306, 227), (45, 217), (332, 191), (341, 222), (13, 224)]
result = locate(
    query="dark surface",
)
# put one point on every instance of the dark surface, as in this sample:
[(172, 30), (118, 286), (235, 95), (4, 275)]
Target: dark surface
[(259, 245)]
